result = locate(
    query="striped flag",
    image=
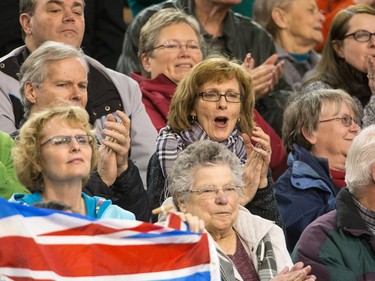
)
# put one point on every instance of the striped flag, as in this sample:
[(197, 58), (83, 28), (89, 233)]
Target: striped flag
[(40, 244)]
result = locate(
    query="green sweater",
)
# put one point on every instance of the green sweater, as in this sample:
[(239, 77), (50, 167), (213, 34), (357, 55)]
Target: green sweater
[(8, 180)]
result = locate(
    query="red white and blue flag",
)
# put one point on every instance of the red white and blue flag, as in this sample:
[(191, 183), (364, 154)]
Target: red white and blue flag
[(40, 244)]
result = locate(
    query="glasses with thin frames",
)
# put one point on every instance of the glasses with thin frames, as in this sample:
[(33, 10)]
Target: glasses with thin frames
[(66, 140), (361, 35), (215, 96), (212, 191), (346, 120), (175, 46)]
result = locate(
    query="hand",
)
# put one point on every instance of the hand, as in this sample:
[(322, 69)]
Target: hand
[(256, 167), (296, 273), (370, 62), (114, 150), (195, 224), (265, 76)]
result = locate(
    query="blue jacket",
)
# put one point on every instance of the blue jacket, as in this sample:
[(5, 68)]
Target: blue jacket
[(96, 207), (304, 192)]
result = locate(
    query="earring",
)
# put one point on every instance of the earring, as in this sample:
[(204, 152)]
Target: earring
[(192, 120), (239, 120)]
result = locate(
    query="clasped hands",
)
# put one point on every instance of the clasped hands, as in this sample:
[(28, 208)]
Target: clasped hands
[(265, 76), (258, 150)]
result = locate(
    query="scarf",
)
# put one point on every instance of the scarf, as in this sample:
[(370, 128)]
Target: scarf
[(170, 144)]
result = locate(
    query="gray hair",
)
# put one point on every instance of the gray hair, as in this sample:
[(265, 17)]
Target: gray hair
[(36, 67), (262, 13), (199, 154), (361, 157), (149, 34), (28, 7), (303, 112)]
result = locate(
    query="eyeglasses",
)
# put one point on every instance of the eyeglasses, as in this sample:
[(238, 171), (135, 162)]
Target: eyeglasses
[(361, 35), (175, 46), (211, 191), (346, 120), (66, 140), (215, 95)]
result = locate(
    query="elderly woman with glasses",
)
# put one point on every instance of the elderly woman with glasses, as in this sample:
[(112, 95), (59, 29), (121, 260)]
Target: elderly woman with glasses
[(206, 181), (318, 130), (348, 61), (215, 101), (55, 153)]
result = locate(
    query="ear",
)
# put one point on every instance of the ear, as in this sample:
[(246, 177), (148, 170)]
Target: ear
[(30, 93), (146, 63), (279, 18), (181, 204), (310, 138), (373, 172), (25, 22), (338, 48)]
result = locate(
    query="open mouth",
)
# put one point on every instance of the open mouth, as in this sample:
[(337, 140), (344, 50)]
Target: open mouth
[(221, 121)]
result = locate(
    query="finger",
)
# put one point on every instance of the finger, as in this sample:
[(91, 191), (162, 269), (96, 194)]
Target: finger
[(124, 118), (271, 60)]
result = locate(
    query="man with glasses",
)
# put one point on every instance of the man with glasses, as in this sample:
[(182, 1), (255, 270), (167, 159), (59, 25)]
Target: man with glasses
[(318, 129)]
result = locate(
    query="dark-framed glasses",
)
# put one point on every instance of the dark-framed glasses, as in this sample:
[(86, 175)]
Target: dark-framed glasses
[(175, 46), (215, 95), (361, 35), (212, 191), (346, 120), (66, 140)]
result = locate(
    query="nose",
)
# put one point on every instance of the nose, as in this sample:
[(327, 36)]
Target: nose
[(76, 94), (222, 102), (68, 16), (74, 145), (183, 51), (372, 40), (355, 128), (322, 17), (221, 197)]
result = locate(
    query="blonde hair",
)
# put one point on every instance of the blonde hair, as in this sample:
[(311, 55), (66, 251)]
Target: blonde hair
[(27, 153)]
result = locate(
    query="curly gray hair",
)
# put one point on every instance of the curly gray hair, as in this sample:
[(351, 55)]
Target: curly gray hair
[(199, 154)]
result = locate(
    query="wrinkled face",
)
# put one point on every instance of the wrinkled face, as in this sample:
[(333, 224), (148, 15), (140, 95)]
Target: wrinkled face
[(333, 138), (64, 162), (304, 22), (354, 52), (220, 212), (60, 21), (218, 119), (174, 63), (66, 81)]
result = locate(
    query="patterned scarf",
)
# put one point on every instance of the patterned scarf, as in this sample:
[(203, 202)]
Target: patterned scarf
[(170, 144)]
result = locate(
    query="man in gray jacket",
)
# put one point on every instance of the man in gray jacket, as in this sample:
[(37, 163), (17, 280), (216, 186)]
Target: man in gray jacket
[(108, 91)]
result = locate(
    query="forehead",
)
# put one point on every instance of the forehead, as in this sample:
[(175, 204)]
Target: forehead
[(67, 66), (58, 125), (223, 83), (331, 108), (362, 21), (217, 174)]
